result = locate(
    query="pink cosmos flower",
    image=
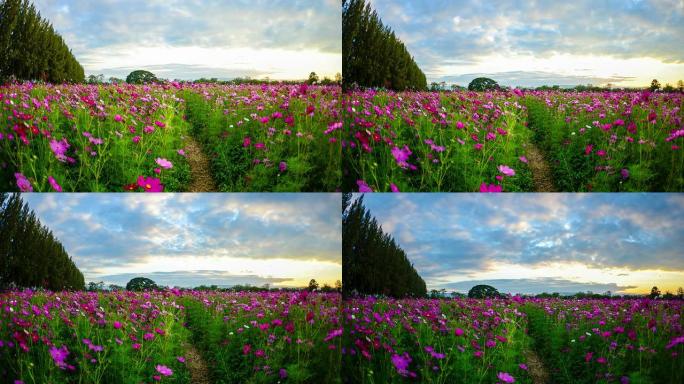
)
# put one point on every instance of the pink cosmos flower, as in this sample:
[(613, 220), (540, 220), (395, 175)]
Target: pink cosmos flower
[(588, 149), (460, 125), (401, 155), (150, 184), (282, 373), (59, 355), (246, 142), (401, 363), (491, 188), (117, 325), (136, 139), (282, 167), (394, 188), (458, 332), (181, 152), (118, 118), (181, 359), (260, 146), (601, 152), (523, 366), (164, 370), (506, 170), (505, 377), (59, 148), (54, 185), (523, 159), (363, 187), (164, 163), (23, 183)]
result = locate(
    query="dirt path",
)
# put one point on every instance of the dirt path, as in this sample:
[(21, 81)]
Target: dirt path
[(201, 180), (541, 171), (199, 374), (536, 368)]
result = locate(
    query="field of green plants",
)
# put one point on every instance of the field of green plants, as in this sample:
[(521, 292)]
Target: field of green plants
[(496, 141), (513, 340), (145, 337), (110, 138)]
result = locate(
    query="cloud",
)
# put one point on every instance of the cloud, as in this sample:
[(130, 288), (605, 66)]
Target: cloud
[(536, 286), (194, 279), (99, 31), (132, 232), (453, 236), (454, 37)]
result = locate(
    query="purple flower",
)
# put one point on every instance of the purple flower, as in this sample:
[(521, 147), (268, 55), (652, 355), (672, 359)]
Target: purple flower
[(23, 183), (401, 363), (59, 355), (523, 159), (59, 148), (282, 167), (505, 377), (181, 359), (181, 152), (363, 187), (624, 173), (283, 373), (394, 187), (401, 155), (523, 366)]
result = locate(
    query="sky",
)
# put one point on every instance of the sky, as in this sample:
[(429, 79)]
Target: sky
[(534, 243), (531, 43), (178, 39), (180, 239)]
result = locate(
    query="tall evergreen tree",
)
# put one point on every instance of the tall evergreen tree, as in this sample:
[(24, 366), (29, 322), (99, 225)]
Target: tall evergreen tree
[(30, 49), (372, 55), (372, 262), (30, 255)]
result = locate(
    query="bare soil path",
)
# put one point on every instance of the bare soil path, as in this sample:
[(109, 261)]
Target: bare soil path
[(200, 168), (199, 374), (536, 368), (541, 171)]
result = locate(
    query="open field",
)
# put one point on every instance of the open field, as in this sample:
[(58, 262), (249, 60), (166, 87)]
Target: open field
[(513, 340), (141, 138), (513, 141), (155, 336)]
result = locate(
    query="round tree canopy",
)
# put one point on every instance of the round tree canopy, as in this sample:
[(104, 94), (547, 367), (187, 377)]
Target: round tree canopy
[(482, 84), (140, 284), (141, 77), (482, 292)]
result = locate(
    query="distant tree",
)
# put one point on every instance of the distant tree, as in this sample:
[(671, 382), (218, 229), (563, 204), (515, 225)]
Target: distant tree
[(338, 78), (141, 77), (116, 80), (668, 295), (313, 285), (668, 88), (483, 291), (655, 292), (338, 285), (434, 86), (482, 84), (655, 85), (680, 293), (93, 286), (140, 284), (313, 78), (680, 85), (114, 287)]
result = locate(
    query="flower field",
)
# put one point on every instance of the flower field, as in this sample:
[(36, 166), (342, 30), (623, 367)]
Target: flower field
[(513, 340), (135, 138), (468, 141), (127, 337)]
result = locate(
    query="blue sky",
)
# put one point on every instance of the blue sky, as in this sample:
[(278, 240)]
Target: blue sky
[(281, 39), (532, 243), (530, 43), (193, 239)]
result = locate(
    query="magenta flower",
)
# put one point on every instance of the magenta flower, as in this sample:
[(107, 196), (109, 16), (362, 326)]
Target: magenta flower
[(458, 332), (164, 163), (401, 363), (54, 185), (363, 187), (117, 325), (401, 155), (506, 170), (181, 359), (523, 367), (150, 184), (588, 149), (23, 183), (246, 142), (282, 373), (505, 377), (394, 187), (181, 152), (164, 370), (118, 118), (523, 159), (490, 188), (282, 167), (601, 152)]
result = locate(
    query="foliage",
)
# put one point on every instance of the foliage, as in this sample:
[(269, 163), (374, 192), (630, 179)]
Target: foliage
[(30, 255), (140, 284), (482, 84), (372, 262), (483, 292), (372, 56), (30, 49), (141, 77), (268, 138)]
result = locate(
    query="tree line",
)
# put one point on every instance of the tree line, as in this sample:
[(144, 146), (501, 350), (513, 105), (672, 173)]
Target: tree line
[(372, 262), (31, 49), (30, 255), (372, 55)]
